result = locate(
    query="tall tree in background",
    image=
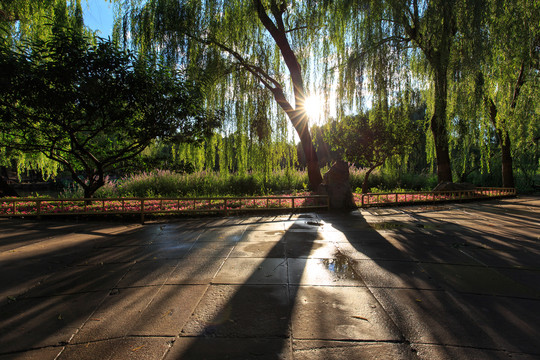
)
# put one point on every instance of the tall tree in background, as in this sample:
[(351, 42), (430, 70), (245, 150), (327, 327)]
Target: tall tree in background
[(496, 91), (430, 30), (511, 72), (269, 40)]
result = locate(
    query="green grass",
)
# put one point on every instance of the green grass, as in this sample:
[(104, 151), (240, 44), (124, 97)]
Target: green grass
[(164, 183)]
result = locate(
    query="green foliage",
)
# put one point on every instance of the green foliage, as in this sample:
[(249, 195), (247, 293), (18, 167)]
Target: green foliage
[(91, 107), (203, 183)]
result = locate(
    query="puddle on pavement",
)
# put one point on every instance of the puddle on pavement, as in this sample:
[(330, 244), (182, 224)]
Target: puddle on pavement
[(387, 225), (398, 225), (341, 267)]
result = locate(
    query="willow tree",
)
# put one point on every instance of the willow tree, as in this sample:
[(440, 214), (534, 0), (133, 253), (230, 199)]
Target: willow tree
[(497, 92), (428, 32), (511, 73), (248, 45)]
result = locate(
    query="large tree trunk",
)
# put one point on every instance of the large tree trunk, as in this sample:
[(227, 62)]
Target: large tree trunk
[(5, 188), (366, 177), (438, 125), (296, 114), (506, 154)]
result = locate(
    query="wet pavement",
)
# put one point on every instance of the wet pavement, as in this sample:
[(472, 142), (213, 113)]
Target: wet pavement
[(454, 281)]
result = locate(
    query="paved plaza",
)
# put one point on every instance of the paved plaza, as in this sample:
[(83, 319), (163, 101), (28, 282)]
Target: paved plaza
[(452, 281)]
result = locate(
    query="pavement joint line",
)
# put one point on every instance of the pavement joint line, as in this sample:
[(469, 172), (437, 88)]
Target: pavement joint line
[(468, 347)]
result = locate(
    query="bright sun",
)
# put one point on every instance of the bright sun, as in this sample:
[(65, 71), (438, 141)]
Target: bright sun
[(312, 105)]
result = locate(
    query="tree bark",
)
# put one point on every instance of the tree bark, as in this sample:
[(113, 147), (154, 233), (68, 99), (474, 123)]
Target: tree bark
[(5, 188), (365, 182), (438, 125), (506, 154), (296, 114)]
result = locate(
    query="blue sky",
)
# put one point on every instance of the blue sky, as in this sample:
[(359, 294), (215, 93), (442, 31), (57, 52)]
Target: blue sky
[(98, 15)]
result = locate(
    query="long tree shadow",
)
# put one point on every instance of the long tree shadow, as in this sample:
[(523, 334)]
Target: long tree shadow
[(240, 287), (454, 283), (246, 311)]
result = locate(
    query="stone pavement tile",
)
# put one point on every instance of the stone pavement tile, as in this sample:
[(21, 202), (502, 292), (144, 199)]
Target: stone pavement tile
[(136, 348), (272, 236), (197, 348), (64, 249), (20, 276), (519, 356), (78, 279), (171, 233), (195, 270), (442, 352), (229, 234), (499, 258), (252, 271), (151, 272), (422, 240), (115, 255), (436, 254), (340, 313), (117, 314), (168, 311), (339, 350), (241, 311), (528, 278), (375, 251), (339, 271), (477, 280), (209, 250), (49, 353), (41, 322), (169, 250), (394, 274), (514, 323), (259, 249), (310, 249), (269, 225), (307, 236), (433, 317)]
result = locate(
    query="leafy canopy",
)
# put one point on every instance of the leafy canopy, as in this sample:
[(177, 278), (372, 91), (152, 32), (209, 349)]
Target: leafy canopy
[(90, 106)]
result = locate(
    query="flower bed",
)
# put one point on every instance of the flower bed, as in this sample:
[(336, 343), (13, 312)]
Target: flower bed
[(43, 206), (382, 199)]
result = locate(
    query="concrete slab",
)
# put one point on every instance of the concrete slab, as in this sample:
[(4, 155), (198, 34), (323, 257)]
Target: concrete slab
[(340, 313), (152, 272), (433, 317), (195, 270), (168, 311), (136, 348), (209, 250), (478, 280), (273, 235), (440, 352), (338, 350), (240, 312), (79, 279), (252, 271), (430, 282), (394, 274), (316, 249), (259, 249), (229, 234), (338, 271), (196, 348), (40, 322)]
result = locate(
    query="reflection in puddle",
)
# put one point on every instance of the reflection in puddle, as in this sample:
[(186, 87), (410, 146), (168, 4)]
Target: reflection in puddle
[(342, 267)]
